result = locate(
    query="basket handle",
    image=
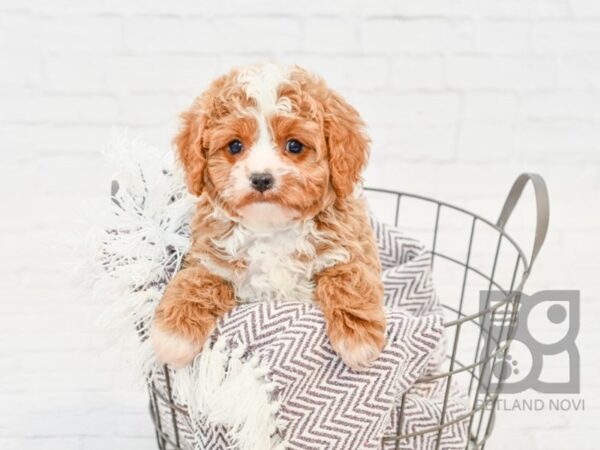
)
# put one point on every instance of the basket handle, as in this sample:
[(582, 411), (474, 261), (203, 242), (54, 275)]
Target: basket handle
[(542, 208)]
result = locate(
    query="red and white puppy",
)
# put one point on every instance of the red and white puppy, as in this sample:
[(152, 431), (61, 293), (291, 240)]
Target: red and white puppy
[(274, 157)]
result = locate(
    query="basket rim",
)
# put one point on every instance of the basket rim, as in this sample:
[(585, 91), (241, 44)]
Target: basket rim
[(495, 226), (502, 232)]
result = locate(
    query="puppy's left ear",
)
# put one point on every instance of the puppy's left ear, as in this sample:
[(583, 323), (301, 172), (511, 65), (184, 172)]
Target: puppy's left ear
[(347, 143)]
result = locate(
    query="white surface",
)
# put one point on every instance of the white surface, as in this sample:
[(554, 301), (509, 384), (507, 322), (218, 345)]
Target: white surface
[(460, 97)]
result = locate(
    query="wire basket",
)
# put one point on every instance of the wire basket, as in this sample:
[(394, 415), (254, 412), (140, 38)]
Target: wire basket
[(479, 271)]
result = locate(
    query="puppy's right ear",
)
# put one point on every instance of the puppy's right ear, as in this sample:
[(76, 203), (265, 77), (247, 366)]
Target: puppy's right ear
[(190, 151)]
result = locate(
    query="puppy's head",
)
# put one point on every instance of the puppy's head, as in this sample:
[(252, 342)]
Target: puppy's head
[(271, 145)]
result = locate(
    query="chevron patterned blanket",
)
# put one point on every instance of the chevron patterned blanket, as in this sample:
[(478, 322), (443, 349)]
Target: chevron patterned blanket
[(268, 378)]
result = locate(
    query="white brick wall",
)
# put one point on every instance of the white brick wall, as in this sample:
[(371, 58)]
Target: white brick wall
[(460, 97)]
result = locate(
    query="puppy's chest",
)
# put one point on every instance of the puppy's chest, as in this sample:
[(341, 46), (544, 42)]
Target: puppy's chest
[(274, 265)]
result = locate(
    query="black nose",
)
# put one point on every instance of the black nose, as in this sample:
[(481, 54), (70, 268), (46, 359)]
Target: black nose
[(261, 181)]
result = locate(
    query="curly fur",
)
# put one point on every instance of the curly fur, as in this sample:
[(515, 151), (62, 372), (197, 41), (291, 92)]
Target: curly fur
[(307, 238)]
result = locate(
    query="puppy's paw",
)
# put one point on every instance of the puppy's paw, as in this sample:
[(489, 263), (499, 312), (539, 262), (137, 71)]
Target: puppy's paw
[(172, 348), (358, 344), (356, 354)]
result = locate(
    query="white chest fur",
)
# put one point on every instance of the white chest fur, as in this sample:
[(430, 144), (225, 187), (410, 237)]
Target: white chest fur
[(279, 264)]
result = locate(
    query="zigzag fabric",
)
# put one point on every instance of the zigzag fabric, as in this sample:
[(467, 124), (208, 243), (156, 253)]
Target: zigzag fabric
[(323, 403), (407, 279), (422, 412)]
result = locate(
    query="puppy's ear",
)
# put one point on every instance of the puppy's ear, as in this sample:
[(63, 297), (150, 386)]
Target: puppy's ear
[(347, 144), (189, 150)]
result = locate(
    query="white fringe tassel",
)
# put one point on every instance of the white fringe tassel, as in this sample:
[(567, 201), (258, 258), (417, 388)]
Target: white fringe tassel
[(232, 391)]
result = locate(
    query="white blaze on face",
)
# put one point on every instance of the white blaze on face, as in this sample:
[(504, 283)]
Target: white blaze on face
[(261, 83), (263, 156)]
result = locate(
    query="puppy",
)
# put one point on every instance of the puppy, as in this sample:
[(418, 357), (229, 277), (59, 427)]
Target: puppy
[(274, 157)]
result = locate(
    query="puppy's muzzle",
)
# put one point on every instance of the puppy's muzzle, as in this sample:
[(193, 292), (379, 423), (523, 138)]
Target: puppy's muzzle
[(262, 181)]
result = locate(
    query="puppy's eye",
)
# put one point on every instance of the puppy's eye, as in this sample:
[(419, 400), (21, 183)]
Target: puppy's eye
[(294, 146), (235, 147)]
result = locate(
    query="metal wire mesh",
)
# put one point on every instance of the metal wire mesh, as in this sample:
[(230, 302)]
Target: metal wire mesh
[(470, 256)]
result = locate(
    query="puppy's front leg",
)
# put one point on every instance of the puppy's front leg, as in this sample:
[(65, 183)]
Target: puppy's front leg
[(351, 298), (187, 314)]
